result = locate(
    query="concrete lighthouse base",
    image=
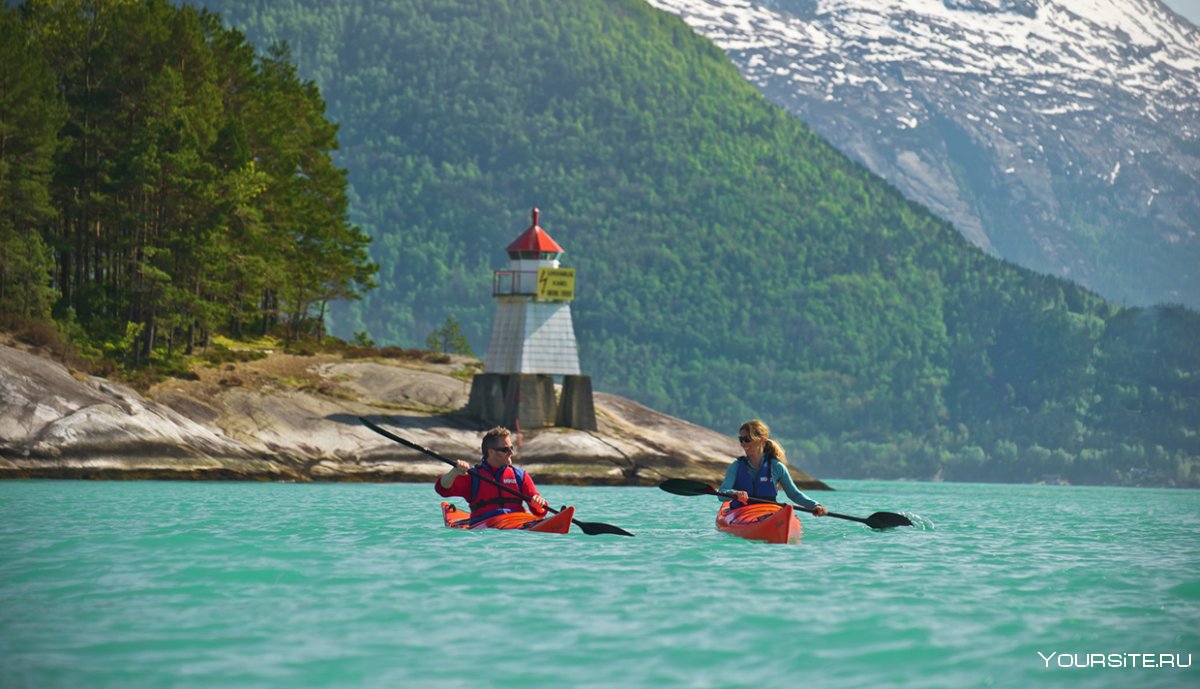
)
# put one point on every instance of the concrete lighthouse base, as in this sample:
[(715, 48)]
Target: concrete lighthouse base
[(513, 400), (527, 400), (575, 408)]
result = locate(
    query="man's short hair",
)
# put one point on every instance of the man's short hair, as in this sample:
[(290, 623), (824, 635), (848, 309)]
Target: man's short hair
[(492, 438)]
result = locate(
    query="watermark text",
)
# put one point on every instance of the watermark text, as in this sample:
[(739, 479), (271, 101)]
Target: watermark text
[(1115, 660)]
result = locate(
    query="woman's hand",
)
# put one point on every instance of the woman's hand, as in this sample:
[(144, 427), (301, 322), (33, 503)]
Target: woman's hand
[(819, 511), (538, 500), (741, 496)]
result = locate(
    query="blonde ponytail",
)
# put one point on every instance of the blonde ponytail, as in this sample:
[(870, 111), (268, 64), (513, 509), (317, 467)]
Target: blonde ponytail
[(775, 451)]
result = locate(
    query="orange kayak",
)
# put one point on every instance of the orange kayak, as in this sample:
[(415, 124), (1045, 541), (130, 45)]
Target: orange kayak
[(760, 522), (552, 523)]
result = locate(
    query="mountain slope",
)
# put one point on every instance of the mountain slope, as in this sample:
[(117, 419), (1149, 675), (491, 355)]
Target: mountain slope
[(1062, 135), (731, 264)]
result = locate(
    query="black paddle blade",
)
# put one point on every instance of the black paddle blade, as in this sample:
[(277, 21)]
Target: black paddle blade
[(600, 529), (683, 486), (887, 520)]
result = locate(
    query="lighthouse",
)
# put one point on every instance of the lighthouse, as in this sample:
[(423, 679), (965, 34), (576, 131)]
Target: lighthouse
[(532, 341)]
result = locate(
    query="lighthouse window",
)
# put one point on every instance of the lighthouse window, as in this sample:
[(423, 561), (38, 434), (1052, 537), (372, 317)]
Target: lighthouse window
[(533, 255)]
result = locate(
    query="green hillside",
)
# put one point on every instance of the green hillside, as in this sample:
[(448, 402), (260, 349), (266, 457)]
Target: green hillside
[(730, 264)]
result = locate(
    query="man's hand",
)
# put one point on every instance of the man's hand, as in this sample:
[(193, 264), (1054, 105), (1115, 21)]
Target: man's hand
[(460, 468)]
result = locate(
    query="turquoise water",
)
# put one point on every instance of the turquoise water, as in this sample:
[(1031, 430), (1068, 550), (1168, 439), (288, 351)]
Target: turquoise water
[(162, 584)]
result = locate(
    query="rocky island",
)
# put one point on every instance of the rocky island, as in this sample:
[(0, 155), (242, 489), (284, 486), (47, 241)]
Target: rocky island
[(289, 417)]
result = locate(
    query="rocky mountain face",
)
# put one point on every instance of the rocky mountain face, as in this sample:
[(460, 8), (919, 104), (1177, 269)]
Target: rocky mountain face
[(1062, 135)]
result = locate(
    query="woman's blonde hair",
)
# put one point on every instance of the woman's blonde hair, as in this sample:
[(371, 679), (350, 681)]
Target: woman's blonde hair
[(757, 429)]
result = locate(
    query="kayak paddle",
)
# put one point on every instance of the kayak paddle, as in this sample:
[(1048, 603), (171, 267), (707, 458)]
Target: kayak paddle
[(589, 528), (879, 520)]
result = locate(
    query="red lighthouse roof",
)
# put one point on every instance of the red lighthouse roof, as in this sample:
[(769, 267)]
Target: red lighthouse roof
[(533, 241)]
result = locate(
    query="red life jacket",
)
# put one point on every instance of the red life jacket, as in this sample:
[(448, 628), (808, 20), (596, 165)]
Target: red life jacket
[(487, 500)]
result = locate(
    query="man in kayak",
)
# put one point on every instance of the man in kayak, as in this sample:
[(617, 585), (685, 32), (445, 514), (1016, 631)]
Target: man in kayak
[(485, 499), (762, 470)]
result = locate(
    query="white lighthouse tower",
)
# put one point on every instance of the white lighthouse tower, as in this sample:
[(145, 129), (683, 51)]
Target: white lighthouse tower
[(532, 331), (533, 340)]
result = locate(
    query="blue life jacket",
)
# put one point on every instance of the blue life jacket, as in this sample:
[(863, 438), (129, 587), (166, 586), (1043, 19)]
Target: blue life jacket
[(484, 494), (758, 484)]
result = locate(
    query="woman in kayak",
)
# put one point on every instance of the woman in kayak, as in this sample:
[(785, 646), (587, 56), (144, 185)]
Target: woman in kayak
[(762, 470), (485, 499)]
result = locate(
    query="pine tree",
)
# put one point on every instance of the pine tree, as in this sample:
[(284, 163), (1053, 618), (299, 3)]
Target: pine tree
[(448, 338), (30, 115)]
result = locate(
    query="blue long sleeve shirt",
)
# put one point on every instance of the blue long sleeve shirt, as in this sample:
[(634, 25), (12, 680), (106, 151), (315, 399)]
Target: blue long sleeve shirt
[(780, 475)]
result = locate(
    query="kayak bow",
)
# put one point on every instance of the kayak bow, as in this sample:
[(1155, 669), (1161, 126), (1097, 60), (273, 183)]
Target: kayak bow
[(768, 522)]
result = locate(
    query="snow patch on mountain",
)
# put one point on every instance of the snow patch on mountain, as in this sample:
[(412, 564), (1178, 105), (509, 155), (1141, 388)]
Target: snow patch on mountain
[(1135, 45)]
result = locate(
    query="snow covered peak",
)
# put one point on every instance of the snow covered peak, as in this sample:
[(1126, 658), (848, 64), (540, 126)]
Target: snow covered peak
[(1136, 45), (1055, 133)]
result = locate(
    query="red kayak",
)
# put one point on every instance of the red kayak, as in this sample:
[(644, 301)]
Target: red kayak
[(760, 522), (553, 523)]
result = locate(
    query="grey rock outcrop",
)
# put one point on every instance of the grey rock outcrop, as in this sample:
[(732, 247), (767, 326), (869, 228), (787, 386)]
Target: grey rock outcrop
[(288, 418)]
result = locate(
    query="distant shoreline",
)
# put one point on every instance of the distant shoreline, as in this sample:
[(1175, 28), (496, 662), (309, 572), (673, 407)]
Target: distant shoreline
[(291, 418)]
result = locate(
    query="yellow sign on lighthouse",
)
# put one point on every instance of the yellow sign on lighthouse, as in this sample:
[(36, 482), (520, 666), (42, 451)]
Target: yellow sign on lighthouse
[(556, 284)]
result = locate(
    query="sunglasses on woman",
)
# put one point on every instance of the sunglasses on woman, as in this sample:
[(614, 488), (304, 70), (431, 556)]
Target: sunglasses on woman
[(744, 439)]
